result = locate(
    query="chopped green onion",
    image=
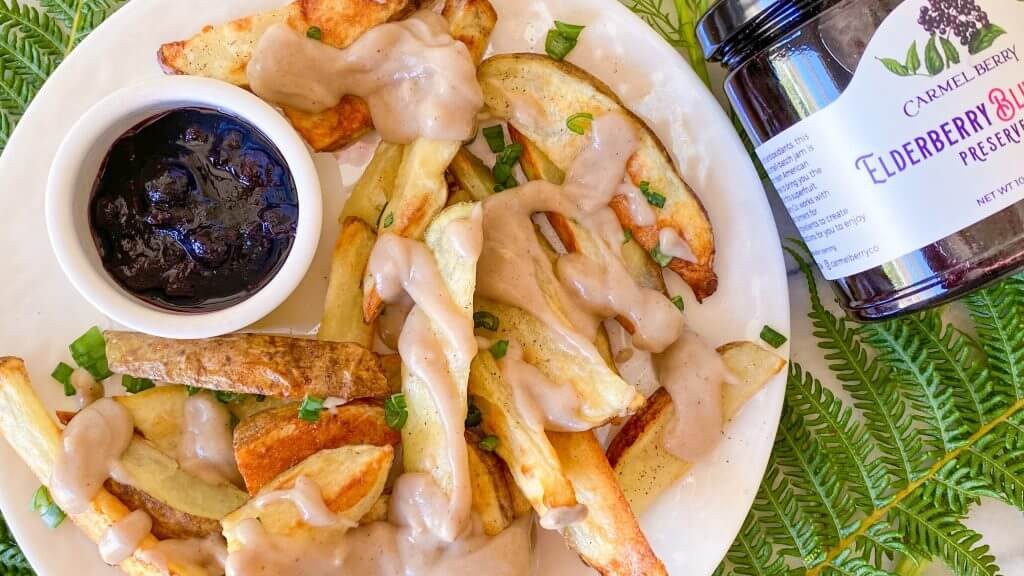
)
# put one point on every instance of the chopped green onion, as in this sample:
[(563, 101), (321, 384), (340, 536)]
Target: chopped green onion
[(627, 235), (192, 390), (653, 198), (772, 337), (225, 397), (135, 385), (485, 320), (489, 443), (571, 31), (678, 301), (43, 504), (495, 137), (388, 220), (562, 39), (577, 123), (395, 411), (314, 32), (90, 352), (62, 373), (499, 349), (510, 154), (311, 408), (499, 188), (660, 257), (473, 416), (502, 172)]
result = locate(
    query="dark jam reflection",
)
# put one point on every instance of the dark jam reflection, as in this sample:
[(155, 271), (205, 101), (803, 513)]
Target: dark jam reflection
[(193, 210)]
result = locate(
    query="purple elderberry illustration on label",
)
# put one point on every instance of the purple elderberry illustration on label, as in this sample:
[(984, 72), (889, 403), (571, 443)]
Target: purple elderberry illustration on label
[(952, 25)]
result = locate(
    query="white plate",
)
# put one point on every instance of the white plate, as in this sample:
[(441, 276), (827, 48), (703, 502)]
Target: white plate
[(691, 526)]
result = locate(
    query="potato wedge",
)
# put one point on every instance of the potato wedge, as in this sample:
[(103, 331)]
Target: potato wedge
[(472, 176), (643, 467), (168, 522), (375, 186), (471, 22), (537, 166), (392, 364), (531, 458), (419, 195), (553, 91), (250, 405), (609, 539), (492, 497), (343, 307), (251, 363), (378, 512), (28, 428), (351, 479), (224, 51), (425, 445), (274, 440), (158, 414), (603, 393)]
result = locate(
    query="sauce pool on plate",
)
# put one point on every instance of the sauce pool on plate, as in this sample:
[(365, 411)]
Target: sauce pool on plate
[(193, 210)]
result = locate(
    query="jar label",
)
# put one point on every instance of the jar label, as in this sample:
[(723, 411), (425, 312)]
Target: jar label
[(927, 139)]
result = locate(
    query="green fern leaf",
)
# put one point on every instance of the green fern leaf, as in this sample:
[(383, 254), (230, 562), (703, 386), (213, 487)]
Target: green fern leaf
[(751, 554), (784, 520), (996, 312), (956, 488), (1001, 467), (899, 347), (849, 565), (36, 25), (869, 384), (15, 92), (939, 533), (83, 16), (20, 55)]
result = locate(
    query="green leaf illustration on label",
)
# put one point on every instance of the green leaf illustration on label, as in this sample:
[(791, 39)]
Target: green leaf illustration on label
[(895, 67), (984, 38), (933, 61), (913, 62), (952, 54)]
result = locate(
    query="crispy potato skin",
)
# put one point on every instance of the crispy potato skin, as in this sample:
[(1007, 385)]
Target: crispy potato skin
[(471, 22), (609, 539), (343, 319), (493, 502), (167, 521), (274, 440), (335, 127), (561, 89), (252, 363)]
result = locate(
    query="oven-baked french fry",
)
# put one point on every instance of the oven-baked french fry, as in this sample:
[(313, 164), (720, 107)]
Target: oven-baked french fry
[(609, 539), (350, 478), (28, 428), (643, 467), (551, 92), (252, 363), (531, 459), (374, 188), (473, 177), (343, 307), (493, 500), (471, 22), (275, 440)]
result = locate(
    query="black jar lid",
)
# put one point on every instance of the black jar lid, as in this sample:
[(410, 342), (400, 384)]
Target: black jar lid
[(732, 28)]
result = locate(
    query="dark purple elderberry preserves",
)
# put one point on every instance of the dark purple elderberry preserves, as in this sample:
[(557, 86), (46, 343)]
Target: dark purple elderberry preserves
[(790, 59), (193, 210)]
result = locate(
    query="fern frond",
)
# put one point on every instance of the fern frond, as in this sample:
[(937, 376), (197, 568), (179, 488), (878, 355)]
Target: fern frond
[(20, 55), (11, 557), (869, 384), (90, 15), (997, 314), (15, 93), (784, 520), (751, 554), (940, 533), (880, 541), (954, 487), (840, 434), (899, 347), (36, 25), (1001, 466), (850, 565), (819, 494)]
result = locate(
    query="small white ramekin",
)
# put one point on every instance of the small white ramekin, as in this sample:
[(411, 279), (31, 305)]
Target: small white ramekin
[(77, 164)]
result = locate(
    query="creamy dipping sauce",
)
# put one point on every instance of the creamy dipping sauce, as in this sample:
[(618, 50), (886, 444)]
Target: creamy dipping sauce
[(410, 544), (123, 537), (672, 244), (416, 78), (87, 389), (91, 447), (693, 373), (305, 495), (206, 450), (640, 210), (208, 554), (541, 402)]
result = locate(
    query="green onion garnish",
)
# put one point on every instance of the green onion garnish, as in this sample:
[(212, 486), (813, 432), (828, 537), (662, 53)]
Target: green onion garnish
[(485, 320), (135, 385), (489, 443), (62, 373), (577, 123), (473, 416), (772, 337), (395, 411), (192, 390), (314, 32), (562, 39), (388, 220), (627, 235), (653, 198), (499, 349), (660, 257), (43, 504), (678, 301), (510, 154), (310, 408), (503, 163), (90, 352), (502, 172), (495, 137), (225, 397)]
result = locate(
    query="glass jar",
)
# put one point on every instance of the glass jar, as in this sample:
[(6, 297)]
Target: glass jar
[(791, 61)]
